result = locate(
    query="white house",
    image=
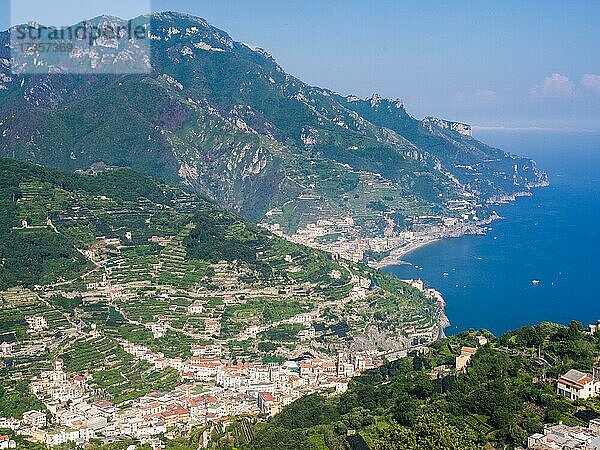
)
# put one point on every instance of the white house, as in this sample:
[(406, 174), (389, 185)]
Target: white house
[(36, 323), (207, 351), (61, 436), (576, 385), (196, 308), (6, 442), (35, 419), (6, 349), (9, 423)]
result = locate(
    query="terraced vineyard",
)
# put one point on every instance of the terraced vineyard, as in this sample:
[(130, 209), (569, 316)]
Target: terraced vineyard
[(149, 264), (131, 381), (115, 373), (17, 305), (88, 354)]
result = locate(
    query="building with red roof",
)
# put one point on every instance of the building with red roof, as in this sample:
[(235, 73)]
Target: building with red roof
[(267, 403), (175, 414), (576, 385)]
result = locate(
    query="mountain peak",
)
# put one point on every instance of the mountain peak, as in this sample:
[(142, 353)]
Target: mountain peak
[(399, 103), (375, 100), (107, 17), (174, 15), (459, 127)]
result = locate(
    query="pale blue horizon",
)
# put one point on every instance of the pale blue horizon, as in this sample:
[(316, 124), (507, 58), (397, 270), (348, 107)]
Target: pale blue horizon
[(510, 66)]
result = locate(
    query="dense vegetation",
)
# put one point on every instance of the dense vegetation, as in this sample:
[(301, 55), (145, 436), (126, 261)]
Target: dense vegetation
[(233, 124), (506, 394), (38, 255), (16, 398), (222, 236)]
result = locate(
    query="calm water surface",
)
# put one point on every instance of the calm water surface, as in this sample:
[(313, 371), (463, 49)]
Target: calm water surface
[(553, 237)]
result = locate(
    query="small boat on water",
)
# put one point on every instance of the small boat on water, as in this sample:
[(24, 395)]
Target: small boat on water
[(446, 274), (535, 282)]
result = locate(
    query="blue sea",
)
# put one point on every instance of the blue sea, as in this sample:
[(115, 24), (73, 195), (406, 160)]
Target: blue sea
[(553, 237)]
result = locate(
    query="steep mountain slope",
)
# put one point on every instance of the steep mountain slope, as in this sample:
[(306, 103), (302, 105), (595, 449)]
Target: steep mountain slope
[(485, 171), (129, 255), (225, 120)]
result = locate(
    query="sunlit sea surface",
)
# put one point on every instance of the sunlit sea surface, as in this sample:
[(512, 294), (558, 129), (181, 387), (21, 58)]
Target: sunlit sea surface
[(552, 237)]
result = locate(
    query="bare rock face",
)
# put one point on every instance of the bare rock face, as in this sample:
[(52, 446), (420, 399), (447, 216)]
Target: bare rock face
[(374, 338), (461, 128)]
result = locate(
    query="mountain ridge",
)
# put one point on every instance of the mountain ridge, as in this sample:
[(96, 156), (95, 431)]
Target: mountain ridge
[(223, 119)]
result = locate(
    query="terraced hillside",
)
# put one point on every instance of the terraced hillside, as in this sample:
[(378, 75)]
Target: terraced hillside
[(142, 263), (226, 120)]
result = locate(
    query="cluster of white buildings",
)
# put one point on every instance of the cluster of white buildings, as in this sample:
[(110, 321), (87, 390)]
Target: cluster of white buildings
[(576, 385), (562, 437), (352, 245), (573, 385), (213, 391), (286, 381), (76, 417), (349, 245), (7, 442)]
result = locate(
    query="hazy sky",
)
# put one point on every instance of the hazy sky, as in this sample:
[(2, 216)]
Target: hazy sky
[(510, 64)]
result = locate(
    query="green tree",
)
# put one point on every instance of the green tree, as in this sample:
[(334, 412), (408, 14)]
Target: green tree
[(429, 432)]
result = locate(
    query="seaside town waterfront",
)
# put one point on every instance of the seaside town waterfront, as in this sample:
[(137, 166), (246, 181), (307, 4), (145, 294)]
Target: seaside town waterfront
[(343, 238)]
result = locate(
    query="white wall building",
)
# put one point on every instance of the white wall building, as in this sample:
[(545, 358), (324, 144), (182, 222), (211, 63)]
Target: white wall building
[(34, 418), (576, 385), (61, 436)]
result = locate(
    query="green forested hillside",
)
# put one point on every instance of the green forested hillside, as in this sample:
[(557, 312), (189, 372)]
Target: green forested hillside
[(120, 253), (33, 253), (418, 402), (227, 121)]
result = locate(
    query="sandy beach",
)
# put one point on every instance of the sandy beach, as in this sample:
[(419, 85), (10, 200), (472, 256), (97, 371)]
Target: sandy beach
[(426, 238)]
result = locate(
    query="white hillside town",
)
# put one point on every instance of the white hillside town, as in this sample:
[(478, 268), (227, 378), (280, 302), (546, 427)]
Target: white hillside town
[(201, 250), (562, 437), (211, 393)]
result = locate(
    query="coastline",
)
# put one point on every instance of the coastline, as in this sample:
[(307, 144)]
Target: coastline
[(425, 238), (440, 318)]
